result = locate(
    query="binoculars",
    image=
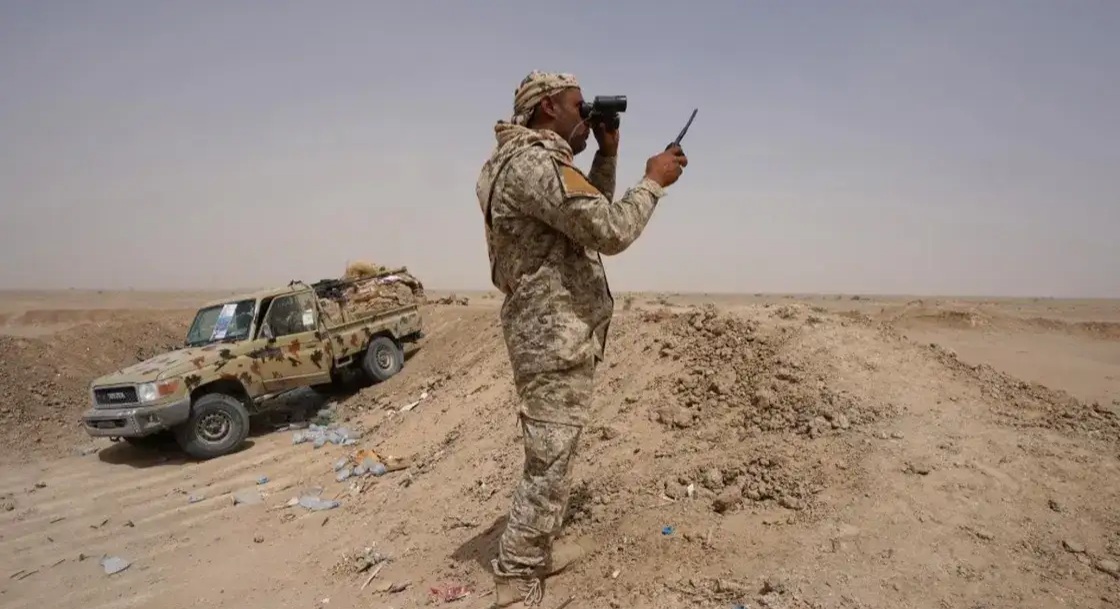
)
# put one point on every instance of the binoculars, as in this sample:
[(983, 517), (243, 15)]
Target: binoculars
[(604, 109)]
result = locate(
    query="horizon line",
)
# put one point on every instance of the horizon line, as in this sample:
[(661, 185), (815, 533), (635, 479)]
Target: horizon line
[(681, 293)]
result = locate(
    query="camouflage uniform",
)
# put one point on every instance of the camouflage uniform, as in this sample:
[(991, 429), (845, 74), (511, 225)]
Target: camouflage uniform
[(546, 225)]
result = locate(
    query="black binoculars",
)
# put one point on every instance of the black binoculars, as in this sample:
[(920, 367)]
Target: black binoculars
[(604, 109)]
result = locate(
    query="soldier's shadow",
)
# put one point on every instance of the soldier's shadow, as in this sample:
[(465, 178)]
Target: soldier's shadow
[(483, 546)]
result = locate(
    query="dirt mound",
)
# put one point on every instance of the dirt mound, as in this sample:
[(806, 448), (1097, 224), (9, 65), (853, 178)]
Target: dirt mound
[(775, 456), (1034, 404), (941, 314), (749, 382), (757, 378), (1107, 330), (713, 432), (64, 316), (1018, 402), (975, 317), (44, 382)]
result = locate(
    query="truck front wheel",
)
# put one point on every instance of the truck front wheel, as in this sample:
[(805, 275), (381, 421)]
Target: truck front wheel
[(218, 424), (383, 359)]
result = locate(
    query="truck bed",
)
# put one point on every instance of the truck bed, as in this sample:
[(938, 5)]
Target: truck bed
[(350, 335)]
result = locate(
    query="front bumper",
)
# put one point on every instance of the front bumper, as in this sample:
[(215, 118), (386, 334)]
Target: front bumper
[(136, 421)]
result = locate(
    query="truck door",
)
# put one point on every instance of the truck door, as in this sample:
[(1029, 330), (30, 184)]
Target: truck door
[(296, 357)]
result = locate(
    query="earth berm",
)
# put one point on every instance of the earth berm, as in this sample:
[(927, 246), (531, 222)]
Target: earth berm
[(775, 455)]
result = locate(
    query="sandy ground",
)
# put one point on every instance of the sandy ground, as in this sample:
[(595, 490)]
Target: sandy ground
[(771, 451)]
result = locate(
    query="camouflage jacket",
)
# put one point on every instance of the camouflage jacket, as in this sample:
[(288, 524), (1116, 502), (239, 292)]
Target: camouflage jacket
[(546, 225)]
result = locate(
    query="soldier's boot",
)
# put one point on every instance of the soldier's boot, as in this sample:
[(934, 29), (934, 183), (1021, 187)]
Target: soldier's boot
[(517, 592), (564, 553)]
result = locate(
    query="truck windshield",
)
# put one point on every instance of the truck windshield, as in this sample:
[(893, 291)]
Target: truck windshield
[(225, 322)]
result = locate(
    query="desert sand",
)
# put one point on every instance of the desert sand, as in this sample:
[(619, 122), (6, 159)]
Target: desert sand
[(781, 451)]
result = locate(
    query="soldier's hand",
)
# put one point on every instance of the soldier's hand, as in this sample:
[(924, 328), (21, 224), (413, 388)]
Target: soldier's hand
[(608, 139), (666, 168)]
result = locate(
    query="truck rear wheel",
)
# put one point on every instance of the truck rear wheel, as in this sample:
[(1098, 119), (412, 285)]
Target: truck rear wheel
[(218, 424), (383, 359)]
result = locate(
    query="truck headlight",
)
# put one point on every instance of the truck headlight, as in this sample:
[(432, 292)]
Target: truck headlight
[(150, 392)]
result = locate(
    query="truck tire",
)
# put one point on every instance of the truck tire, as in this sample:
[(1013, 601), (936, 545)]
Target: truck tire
[(383, 358), (218, 424)]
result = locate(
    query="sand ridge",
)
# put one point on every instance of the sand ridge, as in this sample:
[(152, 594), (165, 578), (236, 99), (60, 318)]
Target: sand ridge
[(764, 451)]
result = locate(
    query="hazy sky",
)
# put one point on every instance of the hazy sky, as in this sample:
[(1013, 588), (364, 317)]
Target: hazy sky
[(897, 147)]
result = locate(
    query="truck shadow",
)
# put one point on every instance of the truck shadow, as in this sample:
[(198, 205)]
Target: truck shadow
[(158, 451), (285, 412)]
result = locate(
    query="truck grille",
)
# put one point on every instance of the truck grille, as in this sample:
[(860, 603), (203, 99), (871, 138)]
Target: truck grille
[(112, 396)]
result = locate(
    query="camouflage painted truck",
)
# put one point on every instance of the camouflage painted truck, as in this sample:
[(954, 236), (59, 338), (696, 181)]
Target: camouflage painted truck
[(242, 350)]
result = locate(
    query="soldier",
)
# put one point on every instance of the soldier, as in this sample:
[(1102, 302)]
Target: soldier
[(546, 225)]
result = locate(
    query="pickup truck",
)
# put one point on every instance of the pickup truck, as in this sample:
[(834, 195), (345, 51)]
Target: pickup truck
[(241, 351)]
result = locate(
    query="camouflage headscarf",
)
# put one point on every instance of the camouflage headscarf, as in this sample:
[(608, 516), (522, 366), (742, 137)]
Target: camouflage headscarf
[(535, 87)]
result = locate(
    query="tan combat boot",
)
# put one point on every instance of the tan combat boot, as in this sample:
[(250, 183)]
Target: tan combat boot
[(564, 553), (517, 592)]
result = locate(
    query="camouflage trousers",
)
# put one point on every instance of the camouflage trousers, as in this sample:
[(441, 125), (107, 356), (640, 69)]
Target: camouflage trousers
[(554, 408)]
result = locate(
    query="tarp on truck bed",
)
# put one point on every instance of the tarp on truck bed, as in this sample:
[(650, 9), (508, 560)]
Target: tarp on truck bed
[(367, 288)]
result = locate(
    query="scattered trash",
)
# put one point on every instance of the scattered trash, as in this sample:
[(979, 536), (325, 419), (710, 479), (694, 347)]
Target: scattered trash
[(317, 504), (249, 496), (324, 417), (369, 558), (376, 570), (195, 498), (262, 480), (667, 530), (410, 406), (319, 435), (450, 593), (365, 461), (114, 564)]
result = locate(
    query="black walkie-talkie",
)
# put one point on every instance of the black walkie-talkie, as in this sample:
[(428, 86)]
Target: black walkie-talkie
[(680, 136)]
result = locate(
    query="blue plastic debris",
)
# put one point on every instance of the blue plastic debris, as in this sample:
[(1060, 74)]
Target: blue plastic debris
[(114, 564), (315, 504), (320, 435)]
